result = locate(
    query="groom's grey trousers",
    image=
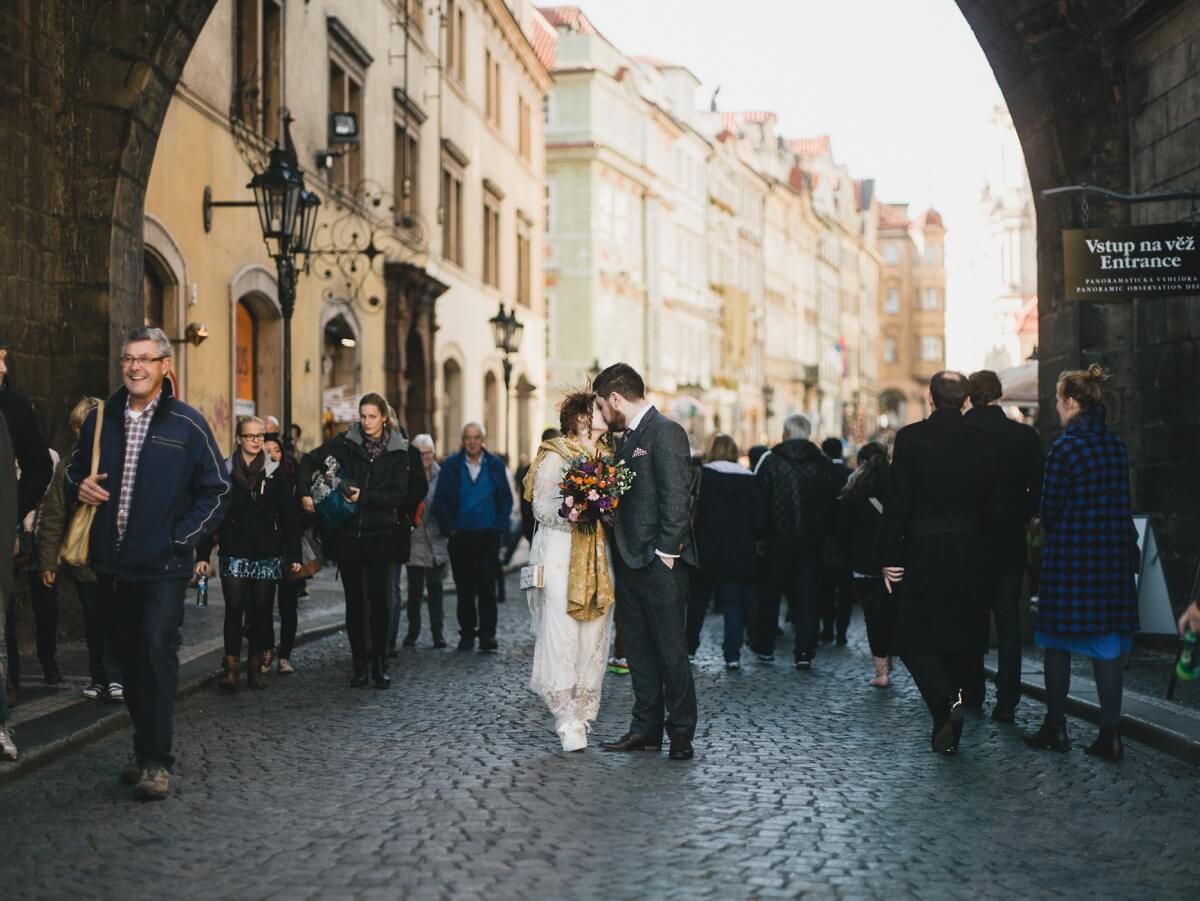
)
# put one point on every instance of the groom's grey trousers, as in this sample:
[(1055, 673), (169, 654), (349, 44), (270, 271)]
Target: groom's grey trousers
[(650, 614)]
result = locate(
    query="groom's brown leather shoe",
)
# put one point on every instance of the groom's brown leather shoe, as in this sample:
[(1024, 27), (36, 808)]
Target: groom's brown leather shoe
[(681, 749), (631, 741)]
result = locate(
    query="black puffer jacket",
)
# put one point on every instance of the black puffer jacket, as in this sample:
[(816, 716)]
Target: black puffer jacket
[(728, 521), (391, 488), (259, 525), (797, 487)]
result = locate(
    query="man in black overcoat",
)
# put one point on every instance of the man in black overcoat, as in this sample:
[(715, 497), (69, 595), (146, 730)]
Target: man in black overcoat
[(654, 547), (939, 502), (1019, 461)]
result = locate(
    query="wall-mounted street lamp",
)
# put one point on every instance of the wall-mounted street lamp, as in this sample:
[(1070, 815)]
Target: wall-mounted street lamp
[(507, 331)]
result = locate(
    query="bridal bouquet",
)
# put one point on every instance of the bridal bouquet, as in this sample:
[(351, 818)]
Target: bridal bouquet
[(592, 488)]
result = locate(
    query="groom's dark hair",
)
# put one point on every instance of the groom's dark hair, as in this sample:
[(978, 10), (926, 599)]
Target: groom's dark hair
[(622, 379)]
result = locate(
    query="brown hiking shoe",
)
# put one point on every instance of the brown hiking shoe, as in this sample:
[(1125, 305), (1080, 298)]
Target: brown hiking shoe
[(132, 772), (229, 682), (154, 786), (254, 672)]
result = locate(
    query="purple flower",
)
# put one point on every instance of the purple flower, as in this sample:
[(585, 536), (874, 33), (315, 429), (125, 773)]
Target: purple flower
[(605, 503)]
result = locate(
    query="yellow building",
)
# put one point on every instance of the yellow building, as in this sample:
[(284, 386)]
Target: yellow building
[(912, 297), (444, 189)]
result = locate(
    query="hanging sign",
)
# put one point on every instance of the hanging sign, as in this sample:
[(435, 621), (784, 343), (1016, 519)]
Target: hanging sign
[(1135, 261)]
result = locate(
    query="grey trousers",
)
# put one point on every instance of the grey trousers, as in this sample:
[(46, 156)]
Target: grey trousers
[(650, 614)]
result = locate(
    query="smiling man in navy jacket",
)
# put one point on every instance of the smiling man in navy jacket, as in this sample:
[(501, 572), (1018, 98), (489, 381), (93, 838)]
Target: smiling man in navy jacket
[(161, 487)]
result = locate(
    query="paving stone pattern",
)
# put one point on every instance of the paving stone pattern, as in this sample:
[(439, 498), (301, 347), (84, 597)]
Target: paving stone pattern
[(451, 785)]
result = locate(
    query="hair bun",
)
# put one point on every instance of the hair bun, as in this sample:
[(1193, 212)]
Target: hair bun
[(1096, 373)]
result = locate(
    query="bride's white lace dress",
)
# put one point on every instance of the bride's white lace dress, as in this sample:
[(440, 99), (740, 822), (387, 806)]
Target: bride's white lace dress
[(569, 656)]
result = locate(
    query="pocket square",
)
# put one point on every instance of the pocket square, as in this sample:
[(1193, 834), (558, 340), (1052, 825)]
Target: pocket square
[(640, 452)]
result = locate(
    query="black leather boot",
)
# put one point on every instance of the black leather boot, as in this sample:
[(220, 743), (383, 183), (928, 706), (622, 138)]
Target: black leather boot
[(1107, 744), (379, 673), (359, 679), (1051, 737)]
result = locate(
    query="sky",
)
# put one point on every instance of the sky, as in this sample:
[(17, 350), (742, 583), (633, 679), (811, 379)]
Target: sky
[(901, 86)]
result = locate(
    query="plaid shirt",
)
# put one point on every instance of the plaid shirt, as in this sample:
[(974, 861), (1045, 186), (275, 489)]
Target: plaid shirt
[(136, 428)]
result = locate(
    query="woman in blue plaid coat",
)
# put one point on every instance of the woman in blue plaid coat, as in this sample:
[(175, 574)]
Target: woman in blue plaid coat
[(1088, 600)]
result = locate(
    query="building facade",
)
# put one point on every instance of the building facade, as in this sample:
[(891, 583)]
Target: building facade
[(912, 328), (442, 196)]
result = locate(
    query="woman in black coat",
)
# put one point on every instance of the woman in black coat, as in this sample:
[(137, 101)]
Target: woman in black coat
[(387, 485), (859, 522), (258, 537), (728, 521)]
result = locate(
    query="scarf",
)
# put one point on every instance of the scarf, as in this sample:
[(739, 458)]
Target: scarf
[(589, 582), (247, 475), (376, 446)]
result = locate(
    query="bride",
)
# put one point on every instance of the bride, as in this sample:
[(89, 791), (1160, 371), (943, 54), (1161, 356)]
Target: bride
[(572, 613)]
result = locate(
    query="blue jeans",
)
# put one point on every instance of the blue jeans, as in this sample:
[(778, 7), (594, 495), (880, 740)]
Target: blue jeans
[(145, 619), (731, 595)]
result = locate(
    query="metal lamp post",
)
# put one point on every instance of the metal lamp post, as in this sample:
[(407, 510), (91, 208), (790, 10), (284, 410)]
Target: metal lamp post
[(507, 330), (287, 215)]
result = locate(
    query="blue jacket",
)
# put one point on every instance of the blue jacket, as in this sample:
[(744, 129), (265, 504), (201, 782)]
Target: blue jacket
[(180, 495), (1091, 555), (449, 490)]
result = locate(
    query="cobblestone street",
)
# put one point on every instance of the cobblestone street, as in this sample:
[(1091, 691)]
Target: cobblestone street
[(451, 785)]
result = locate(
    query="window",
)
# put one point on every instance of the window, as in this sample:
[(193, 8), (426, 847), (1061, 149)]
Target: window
[(891, 305), (524, 261), (346, 96), (933, 254), (491, 240), (452, 209), (548, 213), (547, 108), (891, 254), (524, 130), (456, 25), (931, 348), (491, 68), (258, 61), (415, 11), (889, 350), (406, 171), (930, 299)]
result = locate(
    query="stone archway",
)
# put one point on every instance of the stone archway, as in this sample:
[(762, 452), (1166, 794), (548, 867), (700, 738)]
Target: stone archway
[(91, 87)]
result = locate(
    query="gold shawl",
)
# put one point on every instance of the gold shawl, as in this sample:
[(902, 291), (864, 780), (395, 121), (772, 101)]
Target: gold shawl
[(589, 583)]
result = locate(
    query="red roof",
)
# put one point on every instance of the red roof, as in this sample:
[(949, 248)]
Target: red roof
[(809, 147), (931, 218), (544, 40), (1027, 319), (893, 215), (571, 17)]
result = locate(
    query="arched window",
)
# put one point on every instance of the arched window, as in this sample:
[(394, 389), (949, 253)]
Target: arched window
[(245, 361), (452, 405), (154, 291), (340, 371), (493, 411), (525, 414)]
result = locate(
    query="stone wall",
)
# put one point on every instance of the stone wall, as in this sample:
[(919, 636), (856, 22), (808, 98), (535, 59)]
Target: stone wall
[(1164, 101), (84, 85)]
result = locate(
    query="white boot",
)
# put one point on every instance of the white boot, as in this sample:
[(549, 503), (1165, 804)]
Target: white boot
[(574, 736)]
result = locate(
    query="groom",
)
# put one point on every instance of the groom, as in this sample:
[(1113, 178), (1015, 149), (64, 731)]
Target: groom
[(654, 540)]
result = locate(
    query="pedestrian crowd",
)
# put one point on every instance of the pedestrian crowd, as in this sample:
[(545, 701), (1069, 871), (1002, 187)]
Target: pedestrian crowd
[(930, 537)]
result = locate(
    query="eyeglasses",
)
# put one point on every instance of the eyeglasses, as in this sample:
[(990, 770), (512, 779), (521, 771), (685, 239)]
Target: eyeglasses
[(253, 436), (130, 362)]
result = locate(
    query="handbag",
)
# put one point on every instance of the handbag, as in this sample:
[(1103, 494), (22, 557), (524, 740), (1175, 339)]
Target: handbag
[(333, 509), (76, 547), (533, 576), (310, 563)]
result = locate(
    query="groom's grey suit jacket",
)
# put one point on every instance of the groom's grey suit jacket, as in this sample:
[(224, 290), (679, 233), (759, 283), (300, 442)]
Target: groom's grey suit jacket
[(654, 515)]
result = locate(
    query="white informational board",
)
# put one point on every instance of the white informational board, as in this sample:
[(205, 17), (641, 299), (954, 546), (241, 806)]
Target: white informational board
[(1154, 602)]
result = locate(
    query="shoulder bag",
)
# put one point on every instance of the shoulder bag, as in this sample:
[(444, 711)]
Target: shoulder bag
[(76, 546)]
